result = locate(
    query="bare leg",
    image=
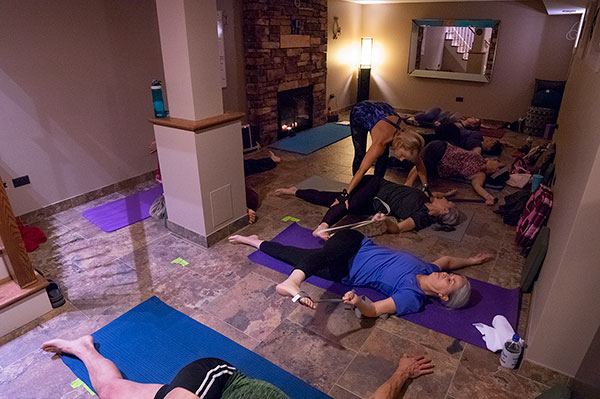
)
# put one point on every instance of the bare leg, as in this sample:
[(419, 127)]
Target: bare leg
[(252, 240), (274, 157), (286, 191), (319, 233), (291, 287), (106, 378)]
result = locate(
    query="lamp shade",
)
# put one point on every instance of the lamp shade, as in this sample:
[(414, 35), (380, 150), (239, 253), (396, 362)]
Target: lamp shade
[(366, 52)]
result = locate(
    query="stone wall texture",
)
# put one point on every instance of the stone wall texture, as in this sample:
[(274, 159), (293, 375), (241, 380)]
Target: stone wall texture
[(273, 65)]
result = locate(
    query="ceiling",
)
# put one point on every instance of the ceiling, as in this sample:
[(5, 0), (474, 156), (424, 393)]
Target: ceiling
[(553, 7)]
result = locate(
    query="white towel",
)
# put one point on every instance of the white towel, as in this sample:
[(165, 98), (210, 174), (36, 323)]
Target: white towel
[(497, 334)]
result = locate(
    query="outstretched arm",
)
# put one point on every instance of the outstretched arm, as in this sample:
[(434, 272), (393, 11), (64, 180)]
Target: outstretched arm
[(451, 263), (408, 367), (370, 309), (421, 170), (477, 182), (376, 149), (393, 227)]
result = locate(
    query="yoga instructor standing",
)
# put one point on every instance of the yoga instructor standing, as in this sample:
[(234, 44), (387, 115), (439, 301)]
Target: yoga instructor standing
[(387, 130)]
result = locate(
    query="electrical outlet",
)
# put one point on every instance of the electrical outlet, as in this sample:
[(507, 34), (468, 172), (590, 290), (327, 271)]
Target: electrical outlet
[(459, 99), (21, 181)]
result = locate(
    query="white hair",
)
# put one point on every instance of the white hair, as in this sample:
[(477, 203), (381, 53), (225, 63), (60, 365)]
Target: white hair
[(460, 297)]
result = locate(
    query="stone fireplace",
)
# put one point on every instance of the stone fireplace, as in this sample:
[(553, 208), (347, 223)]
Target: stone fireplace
[(294, 111), (285, 43)]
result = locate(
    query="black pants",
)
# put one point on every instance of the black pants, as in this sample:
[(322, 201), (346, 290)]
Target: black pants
[(206, 378), (360, 201), (254, 166), (432, 155), (359, 139), (330, 262)]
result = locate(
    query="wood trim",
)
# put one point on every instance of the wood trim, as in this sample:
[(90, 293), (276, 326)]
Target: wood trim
[(200, 125), (11, 293), (20, 267)]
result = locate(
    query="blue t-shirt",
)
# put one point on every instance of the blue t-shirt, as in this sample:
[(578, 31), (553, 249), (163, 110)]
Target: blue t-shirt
[(366, 114), (393, 273)]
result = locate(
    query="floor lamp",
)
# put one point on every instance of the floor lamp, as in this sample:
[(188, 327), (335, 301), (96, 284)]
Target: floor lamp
[(364, 72)]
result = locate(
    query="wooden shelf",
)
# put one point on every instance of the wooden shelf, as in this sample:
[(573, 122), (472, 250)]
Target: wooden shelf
[(200, 125)]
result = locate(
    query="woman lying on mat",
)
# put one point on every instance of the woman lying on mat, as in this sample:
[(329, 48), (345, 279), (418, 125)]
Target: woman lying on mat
[(467, 139), (446, 160), (192, 381), (436, 117), (415, 208), (387, 130), (349, 256)]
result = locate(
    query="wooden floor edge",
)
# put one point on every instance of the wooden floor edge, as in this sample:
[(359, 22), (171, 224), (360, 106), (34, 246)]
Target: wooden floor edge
[(20, 293)]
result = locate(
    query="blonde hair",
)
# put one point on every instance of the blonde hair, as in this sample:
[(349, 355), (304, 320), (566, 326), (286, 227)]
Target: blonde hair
[(408, 140)]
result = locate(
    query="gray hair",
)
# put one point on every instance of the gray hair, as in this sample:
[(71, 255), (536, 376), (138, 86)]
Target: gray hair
[(460, 297), (450, 218)]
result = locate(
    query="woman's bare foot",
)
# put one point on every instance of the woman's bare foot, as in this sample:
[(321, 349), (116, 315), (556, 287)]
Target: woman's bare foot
[(274, 157), (286, 191), (252, 240), (251, 216), (74, 347), (289, 288), (318, 232)]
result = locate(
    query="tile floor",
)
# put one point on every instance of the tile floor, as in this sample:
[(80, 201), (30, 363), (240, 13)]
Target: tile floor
[(104, 275)]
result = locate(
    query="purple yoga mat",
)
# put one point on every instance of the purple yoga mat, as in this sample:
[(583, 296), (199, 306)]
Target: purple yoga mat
[(125, 211), (487, 300)]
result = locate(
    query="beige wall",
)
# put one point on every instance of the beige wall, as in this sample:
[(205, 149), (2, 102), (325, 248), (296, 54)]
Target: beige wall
[(342, 54), (75, 95), (531, 45), (565, 313), (234, 95)]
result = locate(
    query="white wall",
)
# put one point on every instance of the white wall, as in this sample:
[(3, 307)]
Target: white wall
[(565, 313), (531, 45), (75, 95), (343, 53)]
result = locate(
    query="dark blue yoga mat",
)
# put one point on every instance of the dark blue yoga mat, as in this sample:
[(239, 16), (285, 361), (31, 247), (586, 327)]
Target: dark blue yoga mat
[(311, 140), (487, 300), (125, 211), (153, 341)]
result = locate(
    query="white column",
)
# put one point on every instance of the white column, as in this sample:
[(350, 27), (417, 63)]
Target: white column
[(188, 38)]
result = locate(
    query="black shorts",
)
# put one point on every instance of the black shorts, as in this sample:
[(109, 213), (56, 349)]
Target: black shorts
[(206, 378)]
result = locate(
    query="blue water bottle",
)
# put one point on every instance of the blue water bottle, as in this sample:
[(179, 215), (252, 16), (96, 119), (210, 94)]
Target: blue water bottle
[(157, 99)]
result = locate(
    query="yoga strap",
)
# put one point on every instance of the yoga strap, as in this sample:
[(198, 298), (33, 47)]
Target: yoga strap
[(359, 224), (349, 226)]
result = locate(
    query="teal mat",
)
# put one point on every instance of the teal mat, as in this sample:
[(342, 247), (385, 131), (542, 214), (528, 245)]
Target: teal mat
[(311, 140), (153, 341)]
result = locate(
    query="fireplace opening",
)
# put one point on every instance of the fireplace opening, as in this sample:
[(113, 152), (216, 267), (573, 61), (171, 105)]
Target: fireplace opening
[(294, 111)]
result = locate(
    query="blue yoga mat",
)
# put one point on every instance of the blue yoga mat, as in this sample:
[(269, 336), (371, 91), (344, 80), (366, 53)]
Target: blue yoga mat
[(125, 211), (487, 300), (314, 139), (153, 341)]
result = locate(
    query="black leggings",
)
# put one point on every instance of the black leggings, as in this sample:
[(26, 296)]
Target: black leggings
[(206, 378), (360, 201), (330, 262)]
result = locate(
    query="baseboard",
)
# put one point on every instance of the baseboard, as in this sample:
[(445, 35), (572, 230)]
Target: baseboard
[(212, 238), (42, 213)]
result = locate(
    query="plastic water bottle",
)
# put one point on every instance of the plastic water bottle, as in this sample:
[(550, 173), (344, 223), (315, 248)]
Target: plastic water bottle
[(511, 352), (157, 99)]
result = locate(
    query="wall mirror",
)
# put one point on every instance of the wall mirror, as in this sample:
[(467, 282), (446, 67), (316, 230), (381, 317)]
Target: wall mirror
[(461, 49)]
